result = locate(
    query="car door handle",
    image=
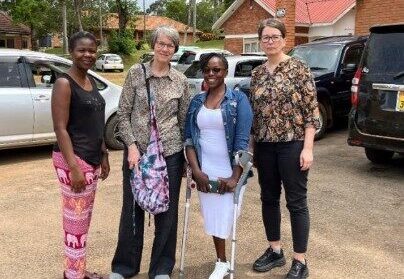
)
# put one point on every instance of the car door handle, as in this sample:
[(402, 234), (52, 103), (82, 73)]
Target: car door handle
[(41, 98)]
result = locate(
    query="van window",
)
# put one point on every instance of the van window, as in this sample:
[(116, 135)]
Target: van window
[(353, 55), (194, 70), (384, 53), (243, 69), (9, 74), (187, 58)]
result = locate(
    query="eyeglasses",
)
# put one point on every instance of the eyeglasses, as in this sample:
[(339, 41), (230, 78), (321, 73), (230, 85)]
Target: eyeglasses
[(274, 38), (162, 45), (215, 71)]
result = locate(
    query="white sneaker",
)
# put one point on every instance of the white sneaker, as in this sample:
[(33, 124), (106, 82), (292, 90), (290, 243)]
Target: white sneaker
[(221, 270), (114, 275)]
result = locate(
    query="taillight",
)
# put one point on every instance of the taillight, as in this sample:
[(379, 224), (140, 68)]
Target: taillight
[(355, 88)]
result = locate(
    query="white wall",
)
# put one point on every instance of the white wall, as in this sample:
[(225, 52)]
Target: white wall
[(344, 26)]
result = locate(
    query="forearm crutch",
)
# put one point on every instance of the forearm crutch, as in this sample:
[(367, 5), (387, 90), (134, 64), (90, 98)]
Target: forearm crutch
[(244, 159), (190, 186)]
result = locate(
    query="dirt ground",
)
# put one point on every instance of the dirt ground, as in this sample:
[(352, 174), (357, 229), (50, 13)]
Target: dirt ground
[(356, 219)]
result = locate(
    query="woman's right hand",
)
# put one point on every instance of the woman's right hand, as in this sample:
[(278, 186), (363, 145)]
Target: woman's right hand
[(78, 182), (133, 157), (202, 181)]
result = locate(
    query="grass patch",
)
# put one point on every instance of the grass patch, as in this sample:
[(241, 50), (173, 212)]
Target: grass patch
[(210, 44)]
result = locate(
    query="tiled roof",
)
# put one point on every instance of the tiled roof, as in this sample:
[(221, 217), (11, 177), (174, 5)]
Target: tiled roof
[(317, 11), (152, 22), (7, 25)]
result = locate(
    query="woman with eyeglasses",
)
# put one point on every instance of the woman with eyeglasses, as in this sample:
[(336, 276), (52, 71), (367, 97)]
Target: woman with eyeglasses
[(283, 99), (169, 89), (218, 125)]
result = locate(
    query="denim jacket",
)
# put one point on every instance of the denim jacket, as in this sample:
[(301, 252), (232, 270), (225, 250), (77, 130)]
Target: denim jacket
[(237, 120)]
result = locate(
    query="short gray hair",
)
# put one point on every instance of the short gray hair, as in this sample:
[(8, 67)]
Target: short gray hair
[(168, 31)]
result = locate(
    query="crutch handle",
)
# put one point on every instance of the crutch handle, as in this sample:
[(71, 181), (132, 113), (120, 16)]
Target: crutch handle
[(244, 159)]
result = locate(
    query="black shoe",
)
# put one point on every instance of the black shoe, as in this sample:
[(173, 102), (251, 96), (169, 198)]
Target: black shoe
[(298, 270), (269, 260)]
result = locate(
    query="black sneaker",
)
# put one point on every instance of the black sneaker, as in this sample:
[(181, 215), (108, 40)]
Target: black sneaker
[(269, 260), (298, 270)]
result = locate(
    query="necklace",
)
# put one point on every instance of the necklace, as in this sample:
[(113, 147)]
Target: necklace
[(216, 105)]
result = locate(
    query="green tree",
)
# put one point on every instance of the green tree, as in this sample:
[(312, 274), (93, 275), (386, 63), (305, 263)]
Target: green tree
[(157, 8), (177, 10), (38, 15)]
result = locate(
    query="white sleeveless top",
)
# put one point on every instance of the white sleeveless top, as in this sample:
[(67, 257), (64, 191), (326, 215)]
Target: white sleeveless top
[(215, 157)]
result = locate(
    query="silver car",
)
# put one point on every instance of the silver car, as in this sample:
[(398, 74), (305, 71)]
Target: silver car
[(189, 56), (240, 68), (26, 81)]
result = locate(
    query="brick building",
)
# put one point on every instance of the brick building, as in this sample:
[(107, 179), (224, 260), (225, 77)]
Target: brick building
[(372, 12), (13, 35), (312, 19)]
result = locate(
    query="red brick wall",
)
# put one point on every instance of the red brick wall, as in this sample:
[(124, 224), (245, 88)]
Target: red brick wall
[(245, 19), (288, 20), (372, 12), (234, 45)]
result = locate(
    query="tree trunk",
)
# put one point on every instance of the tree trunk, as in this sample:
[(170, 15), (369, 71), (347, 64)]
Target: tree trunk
[(64, 16), (77, 10), (122, 14), (194, 24), (34, 39), (188, 22)]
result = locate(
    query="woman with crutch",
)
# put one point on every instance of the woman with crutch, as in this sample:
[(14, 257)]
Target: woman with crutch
[(217, 126)]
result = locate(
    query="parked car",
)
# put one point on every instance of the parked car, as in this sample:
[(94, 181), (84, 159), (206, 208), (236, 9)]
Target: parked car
[(109, 61), (376, 121), (333, 62), (146, 57), (190, 56), (240, 68), (26, 80)]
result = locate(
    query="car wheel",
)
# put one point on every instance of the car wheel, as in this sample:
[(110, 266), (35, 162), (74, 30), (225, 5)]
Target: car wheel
[(320, 132), (111, 133), (378, 156)]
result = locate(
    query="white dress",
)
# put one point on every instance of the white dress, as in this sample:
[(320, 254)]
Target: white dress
[(217, 210)]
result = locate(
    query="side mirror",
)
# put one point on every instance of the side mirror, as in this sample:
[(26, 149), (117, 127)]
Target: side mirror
[(47, 80), (349, 68)]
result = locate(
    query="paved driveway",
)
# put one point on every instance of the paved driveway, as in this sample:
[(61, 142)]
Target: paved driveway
[(356, 219)]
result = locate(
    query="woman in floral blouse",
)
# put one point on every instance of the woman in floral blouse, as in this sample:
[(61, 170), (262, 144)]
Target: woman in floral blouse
[(283, 98)]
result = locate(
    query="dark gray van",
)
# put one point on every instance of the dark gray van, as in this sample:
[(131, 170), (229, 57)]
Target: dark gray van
[(376, 120)]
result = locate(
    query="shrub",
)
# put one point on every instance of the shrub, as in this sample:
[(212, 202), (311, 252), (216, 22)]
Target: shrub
[(208, 37), (121, 43)]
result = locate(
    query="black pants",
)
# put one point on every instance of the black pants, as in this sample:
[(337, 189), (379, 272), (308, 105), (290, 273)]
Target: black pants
[(128, 252), (277, 164)]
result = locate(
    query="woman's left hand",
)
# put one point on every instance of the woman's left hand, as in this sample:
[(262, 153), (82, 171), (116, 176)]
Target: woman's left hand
[(306, 159), (227, 184), (104, 166)]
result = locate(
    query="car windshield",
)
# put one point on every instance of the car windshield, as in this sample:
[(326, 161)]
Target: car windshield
[(175, 57), (187, 57), (387, 48), (318, 57), (113, 58), (194, 71)]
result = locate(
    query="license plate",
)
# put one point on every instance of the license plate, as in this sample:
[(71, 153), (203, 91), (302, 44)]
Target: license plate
[(400, 101)]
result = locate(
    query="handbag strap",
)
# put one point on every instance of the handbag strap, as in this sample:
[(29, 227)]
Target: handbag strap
[(147, 83)]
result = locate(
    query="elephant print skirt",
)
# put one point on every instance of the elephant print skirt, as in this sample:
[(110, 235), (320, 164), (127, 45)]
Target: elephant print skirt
[(77, 209)]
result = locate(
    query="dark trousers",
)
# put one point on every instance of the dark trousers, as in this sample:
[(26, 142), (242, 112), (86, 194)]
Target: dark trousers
[(277, 164), (128, 252)]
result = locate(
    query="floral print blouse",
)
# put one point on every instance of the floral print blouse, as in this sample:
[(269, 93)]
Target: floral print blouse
[(284, 102), (172, 97)]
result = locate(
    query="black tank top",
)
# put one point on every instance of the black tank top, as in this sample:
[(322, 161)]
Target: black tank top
[(86, 122)]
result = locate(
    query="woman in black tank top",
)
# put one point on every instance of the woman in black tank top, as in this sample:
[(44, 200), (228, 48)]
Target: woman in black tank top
[(80, 156)]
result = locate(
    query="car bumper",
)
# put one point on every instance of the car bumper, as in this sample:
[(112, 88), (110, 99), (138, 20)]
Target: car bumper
[(113, 66), (356, 137)]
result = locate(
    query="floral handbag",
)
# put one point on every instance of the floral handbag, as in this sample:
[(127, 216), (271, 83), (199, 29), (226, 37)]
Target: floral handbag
[(150, 185)]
